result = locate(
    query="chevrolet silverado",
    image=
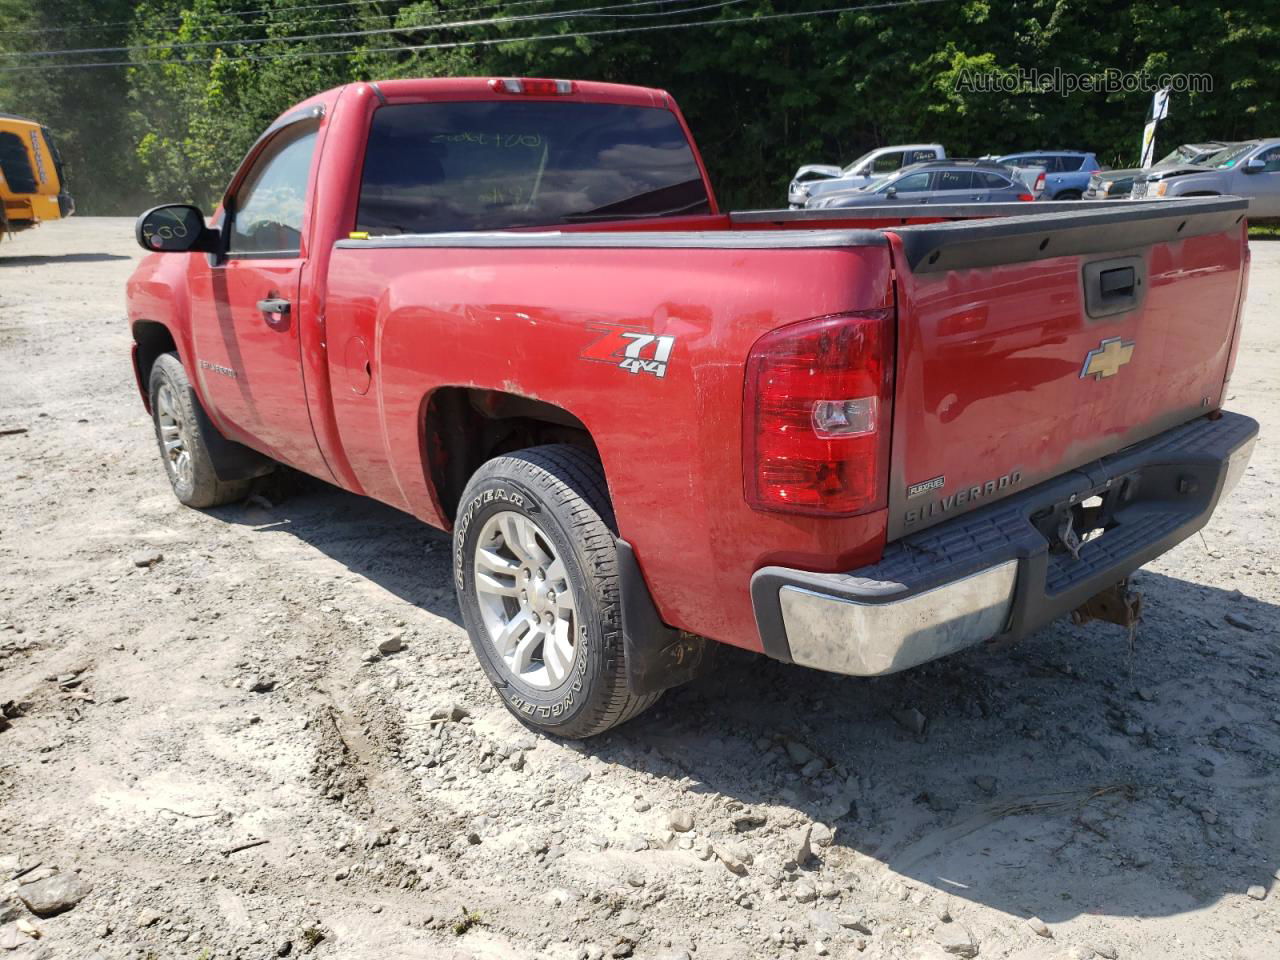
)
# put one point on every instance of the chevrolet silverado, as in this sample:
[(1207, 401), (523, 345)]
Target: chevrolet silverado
[(852, 440)]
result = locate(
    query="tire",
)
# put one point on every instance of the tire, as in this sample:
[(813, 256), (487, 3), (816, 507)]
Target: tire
[(1068, 195), (181, 426), (556, 660)]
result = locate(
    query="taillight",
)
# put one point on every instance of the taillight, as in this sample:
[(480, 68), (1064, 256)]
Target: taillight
[(1025, 197), (1039, 183), (817, 407), (531, 87)]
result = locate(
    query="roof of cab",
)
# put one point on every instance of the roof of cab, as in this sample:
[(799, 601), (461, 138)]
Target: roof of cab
[(475, 88)]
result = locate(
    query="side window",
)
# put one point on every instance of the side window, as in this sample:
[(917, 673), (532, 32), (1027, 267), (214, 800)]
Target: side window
[(991, 181), (919, 156), (267, 209), (887, 163), (15, 164), (1271, 158), (954, 180), (912, 183)]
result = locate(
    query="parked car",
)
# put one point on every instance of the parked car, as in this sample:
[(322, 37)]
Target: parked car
[(1067, 172), (32, 184), (1117, 184), (651, 425), (870, 168), (1250, 170), (939, 181)]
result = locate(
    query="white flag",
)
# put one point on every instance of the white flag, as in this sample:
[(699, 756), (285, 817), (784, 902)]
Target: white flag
[(1159, 110)]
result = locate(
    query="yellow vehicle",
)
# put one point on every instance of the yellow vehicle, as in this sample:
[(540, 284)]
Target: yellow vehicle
[(32, 188)]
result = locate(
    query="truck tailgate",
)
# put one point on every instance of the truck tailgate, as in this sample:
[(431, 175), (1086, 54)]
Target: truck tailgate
[(1029, 346)]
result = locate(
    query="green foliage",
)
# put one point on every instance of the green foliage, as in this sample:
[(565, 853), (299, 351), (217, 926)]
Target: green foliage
[(762, 96)]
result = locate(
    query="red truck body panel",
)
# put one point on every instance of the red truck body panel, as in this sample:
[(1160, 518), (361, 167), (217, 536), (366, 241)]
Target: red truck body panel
[(988, 358), (522, 321)]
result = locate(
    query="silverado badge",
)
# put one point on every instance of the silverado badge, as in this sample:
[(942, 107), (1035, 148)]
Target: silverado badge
[(1106, 359)]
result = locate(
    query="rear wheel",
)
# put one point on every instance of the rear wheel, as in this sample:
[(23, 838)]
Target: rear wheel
[(1068, 195), (180, 426), (536, 569)]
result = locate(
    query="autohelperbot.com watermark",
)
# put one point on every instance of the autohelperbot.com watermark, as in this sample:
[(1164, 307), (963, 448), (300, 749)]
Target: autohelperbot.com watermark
[(1065, 83)]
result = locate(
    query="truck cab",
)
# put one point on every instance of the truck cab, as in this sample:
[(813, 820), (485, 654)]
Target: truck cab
[(32, 184)]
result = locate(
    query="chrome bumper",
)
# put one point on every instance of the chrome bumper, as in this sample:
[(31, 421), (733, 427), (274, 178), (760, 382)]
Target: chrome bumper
[(867, 640), (995, 572)]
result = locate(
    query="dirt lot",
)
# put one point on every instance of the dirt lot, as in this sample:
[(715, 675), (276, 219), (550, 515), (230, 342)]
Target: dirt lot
[(1127, 796)]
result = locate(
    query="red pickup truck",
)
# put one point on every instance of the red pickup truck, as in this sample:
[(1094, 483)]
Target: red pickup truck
[(853, 440)]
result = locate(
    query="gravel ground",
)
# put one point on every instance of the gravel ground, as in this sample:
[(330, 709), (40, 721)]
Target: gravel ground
[(206, 756)]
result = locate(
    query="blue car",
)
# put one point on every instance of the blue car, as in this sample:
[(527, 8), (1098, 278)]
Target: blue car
[(1066, 172)]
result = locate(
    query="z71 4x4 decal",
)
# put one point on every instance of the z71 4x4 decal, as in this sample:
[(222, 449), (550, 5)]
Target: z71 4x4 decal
[(631, 349)]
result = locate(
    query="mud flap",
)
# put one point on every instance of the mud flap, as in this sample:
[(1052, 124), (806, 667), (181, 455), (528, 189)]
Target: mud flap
[(231, 460), (658, 656)]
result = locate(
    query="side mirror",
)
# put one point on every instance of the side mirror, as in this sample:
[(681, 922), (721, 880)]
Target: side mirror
[(174, 228), (891, 192), (1256, 165), (862, 172)]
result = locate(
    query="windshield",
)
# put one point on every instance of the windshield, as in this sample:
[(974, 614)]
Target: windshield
[(857, 163), (1230, 156), (1183, 154)]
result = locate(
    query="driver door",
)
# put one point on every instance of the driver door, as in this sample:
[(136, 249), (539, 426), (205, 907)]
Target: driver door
[(247, 308)]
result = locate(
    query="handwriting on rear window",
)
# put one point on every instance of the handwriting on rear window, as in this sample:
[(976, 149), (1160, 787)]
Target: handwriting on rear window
[(499, 140)]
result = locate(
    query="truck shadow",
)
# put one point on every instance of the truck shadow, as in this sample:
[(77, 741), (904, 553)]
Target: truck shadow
[(1069, 775), (377, 542), (1074, 774)]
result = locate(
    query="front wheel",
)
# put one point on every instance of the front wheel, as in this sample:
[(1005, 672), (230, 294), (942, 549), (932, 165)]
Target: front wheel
[(181, 428), (536, 569)]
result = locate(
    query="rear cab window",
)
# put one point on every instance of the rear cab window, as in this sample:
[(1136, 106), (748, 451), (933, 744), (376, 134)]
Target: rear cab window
[(493, 165)]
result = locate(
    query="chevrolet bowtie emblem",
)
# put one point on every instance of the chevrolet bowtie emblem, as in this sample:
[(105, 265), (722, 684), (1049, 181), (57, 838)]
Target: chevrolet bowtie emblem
[(1107, 358)]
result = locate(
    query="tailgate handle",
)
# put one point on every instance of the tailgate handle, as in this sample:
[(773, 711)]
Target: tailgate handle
[(1118, 282), (1114, 286)]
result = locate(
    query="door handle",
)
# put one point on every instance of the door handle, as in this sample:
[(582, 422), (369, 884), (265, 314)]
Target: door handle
[(276, 305)]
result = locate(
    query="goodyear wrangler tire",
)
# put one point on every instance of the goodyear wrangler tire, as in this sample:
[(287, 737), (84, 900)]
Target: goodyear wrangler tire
[(536, 569)]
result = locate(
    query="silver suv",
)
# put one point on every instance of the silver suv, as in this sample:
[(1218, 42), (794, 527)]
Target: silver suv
[(1248, 170)]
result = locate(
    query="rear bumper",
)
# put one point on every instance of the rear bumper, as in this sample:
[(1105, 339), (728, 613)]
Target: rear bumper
[(1002, 571)]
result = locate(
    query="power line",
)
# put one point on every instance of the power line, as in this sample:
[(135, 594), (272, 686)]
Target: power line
[(420, 47), (380, 31), (493, 5), (182, 19)]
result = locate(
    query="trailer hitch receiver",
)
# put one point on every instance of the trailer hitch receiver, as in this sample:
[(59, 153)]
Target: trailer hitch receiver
[(1117, 604)]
